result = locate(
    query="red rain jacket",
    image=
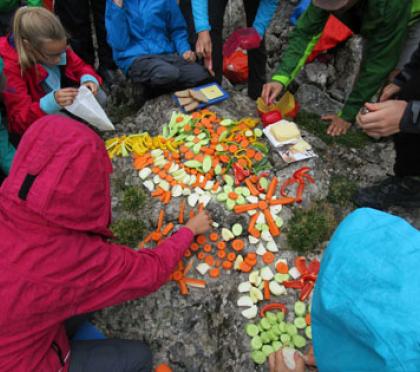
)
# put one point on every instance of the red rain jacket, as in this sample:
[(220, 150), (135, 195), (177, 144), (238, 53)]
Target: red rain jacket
[(24, 91), (55, 261)]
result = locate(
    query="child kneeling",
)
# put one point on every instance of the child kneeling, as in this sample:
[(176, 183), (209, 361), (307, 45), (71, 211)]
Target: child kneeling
[(43, 73), (150, 44)]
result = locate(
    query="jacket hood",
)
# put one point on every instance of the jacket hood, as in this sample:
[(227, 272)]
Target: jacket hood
[(61, 173), (365, 304)]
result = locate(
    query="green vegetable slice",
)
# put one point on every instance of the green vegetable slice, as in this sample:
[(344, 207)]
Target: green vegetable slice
[(271, 317), (265, 338), (192, 164), (285, 339), (281, 277), (300, 323), (300, 308), (252, 330), (230, 204), (291, 329), (308, 332), (221, 197), (228, 179), (207, 162), (256, 343), (299, 341), (280, 317), (276, 345), (282, 327), (237, 229), (267, 350), (272, 335), (265, 323), (258, 357)]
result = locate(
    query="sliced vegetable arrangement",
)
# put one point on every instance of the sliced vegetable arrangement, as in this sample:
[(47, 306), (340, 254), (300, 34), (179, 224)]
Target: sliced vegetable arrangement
[(200, 158)]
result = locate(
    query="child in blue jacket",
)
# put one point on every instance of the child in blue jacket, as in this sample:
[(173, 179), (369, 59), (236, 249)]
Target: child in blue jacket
[(150, 44)]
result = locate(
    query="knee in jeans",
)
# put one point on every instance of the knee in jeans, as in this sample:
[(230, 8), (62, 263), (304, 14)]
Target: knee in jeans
[(147, 358), (167, 76)]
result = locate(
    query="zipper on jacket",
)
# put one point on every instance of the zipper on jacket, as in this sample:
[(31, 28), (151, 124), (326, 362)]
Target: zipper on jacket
[(59, 353)]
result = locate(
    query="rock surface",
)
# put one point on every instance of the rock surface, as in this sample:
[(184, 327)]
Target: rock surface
[(205, 331)]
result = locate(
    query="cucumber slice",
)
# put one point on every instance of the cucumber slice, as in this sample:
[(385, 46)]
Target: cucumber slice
[(226, 122), (285, 339), (207, 162), (273, 336), (230, 204), (252, 330), (291, 329), (240, 200), (275, 328), (218, 169), (280, 317), (300, 308), (227, 189), (258, 357), (201, 136), (265, 323), (237, 229), (193, 164), (258, 132), (221, 197), (265, 338), (256, 343), (238, 190), (300, 323), (220, 148), (271, 317), (281, 277), (264, 183), (267, 350), (227, 235), (308, 332), (228, 180), (299, 341), (282, 326), (276, 345), (246, 192)]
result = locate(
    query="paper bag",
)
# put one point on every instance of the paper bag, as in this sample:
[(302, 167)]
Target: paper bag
[(86, 107)]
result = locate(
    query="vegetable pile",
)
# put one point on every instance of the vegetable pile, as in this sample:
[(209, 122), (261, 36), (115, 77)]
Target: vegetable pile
[(201, 158)]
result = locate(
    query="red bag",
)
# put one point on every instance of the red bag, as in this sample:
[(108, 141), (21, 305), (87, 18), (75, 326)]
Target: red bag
[(235, 67), (49, 4), (335, 32)]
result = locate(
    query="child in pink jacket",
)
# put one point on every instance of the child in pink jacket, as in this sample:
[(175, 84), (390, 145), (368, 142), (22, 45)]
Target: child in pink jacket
[(55, 260)]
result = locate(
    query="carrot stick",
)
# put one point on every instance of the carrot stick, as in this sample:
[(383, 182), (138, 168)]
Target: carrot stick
[(274, 230), (198, 283), (181, 211), (167, 229), (272, 188), (183, 287), (215, 186), (189, 266), (167, 197), (245, 208), (158, 192), (282, 201), (266, 290), (160, 220), (253, 190)]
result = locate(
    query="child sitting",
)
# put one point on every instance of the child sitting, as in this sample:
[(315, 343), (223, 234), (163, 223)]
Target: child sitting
[(150, 44), (43, 73)]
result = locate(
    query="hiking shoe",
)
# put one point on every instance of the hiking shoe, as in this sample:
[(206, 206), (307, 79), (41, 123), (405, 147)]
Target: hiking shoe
[(110, 76), (391, 192)]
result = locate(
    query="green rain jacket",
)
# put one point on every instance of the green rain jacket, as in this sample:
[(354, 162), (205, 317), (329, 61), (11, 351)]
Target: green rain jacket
[(8, 5), (382, 23)]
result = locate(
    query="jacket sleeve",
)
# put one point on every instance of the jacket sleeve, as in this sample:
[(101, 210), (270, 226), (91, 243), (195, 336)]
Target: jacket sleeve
[(200, 10), (382, 54), (22, 110), (265, 13), (76, 68), (178, 28), (410, 70), (34, 2), (301, 43), (410, 122), (117, 26), (110, 274)]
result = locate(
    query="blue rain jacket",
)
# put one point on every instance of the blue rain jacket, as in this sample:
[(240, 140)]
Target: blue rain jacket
[(144, 27), (365, 311)]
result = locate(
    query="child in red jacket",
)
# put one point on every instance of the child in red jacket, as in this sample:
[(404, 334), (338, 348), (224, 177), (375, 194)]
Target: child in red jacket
[(43, 73)]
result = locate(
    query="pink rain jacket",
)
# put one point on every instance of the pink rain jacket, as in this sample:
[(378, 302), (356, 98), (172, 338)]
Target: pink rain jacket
[(55, 262)]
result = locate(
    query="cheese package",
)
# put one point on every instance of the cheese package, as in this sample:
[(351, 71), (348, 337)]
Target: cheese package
[(301, 146), (284, 131)]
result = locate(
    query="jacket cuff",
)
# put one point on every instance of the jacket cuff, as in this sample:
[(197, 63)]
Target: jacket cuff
[(48, 104), (410, 122), (349, 113), (85, 78), (282, 79)]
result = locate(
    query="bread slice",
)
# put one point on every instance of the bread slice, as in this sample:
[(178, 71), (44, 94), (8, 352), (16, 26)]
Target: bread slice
[(183, 94), (198, 96), (185, 101), (192, 106)]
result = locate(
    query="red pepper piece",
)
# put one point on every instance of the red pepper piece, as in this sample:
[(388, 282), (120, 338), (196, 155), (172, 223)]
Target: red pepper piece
[(286, 184), (300, 263), (299, 192), (314, 266), (239, 173), (273, 306), (271, 117), (306, 291), (300, 172), (310, 276), (296, 284)]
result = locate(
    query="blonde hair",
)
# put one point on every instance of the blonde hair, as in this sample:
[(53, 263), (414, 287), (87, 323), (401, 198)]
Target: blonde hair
[(35, 26)]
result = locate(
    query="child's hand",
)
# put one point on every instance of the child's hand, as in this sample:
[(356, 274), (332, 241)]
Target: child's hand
[(189, 56), (65, 97), (118, 3), (93, 87), (200, 224)]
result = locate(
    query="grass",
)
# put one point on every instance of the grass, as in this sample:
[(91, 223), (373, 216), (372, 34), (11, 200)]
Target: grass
[(133, 199), (341, 191), (313, 124), (308, 228), (128, 231)]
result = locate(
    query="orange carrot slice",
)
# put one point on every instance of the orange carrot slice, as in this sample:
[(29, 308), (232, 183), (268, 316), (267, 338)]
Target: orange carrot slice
[(268, 258), (238, 245)]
